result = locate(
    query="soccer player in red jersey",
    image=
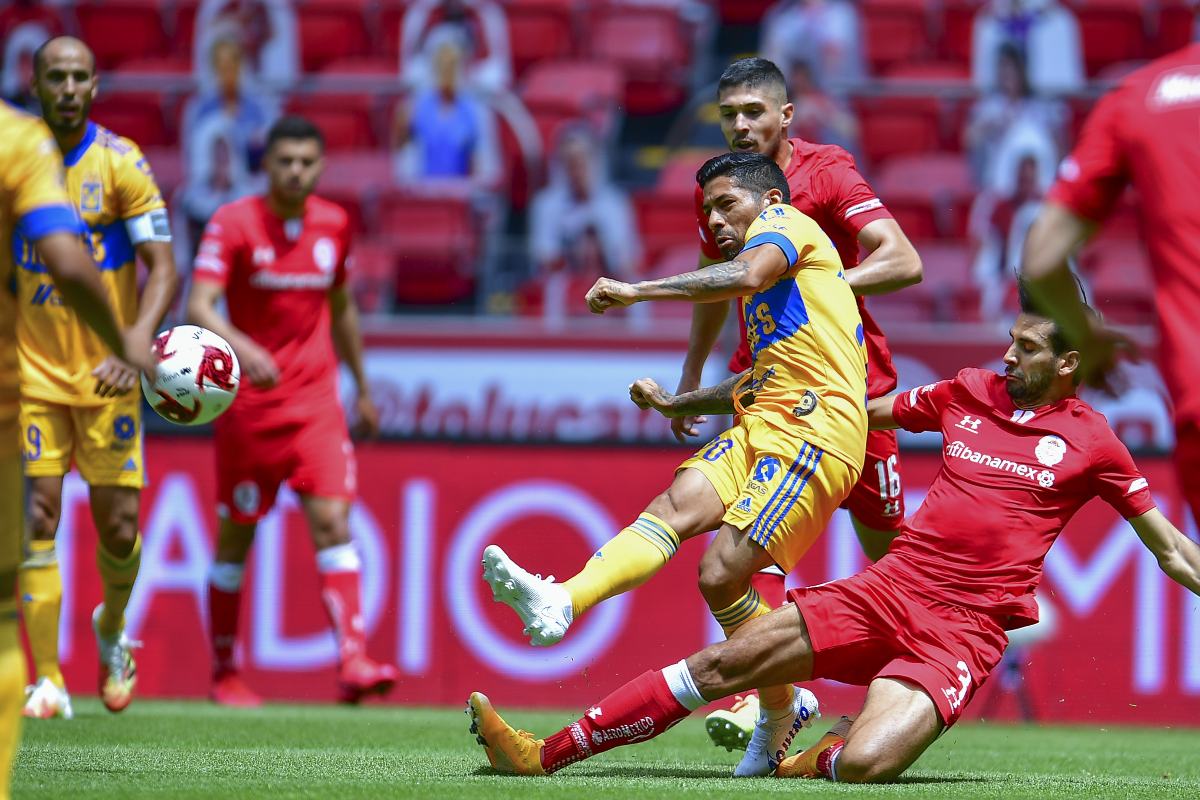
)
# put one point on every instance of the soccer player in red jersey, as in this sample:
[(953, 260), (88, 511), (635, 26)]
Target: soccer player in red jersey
[(825, 185), (1143, 133), (924, 626), (280, 262)]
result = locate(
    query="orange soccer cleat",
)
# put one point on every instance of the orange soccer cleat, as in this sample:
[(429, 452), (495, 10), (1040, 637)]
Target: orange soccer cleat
[(804, 765), (509, 750)]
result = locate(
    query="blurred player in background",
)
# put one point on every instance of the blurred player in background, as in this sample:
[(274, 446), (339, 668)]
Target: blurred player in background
[(772, 481), (1144, 133), (279, 261), (825, 184), (925, 625), (79, 402), (35, 208)]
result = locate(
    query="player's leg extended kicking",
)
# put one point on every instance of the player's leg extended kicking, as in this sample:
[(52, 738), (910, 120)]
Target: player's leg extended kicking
[(772, 507)]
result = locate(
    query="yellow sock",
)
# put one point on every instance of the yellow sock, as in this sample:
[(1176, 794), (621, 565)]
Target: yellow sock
[(118, 575), (41, 597), (745, 608), (625, 561), (12, 692)]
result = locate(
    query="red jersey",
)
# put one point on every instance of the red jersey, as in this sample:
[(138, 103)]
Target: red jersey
[(1145, 133), (1010, 480), (277, 275), (826, 186)]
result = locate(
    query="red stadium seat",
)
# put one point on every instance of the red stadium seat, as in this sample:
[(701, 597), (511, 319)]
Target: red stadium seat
[(356, 171), (651, 49), (391, 17), (123, 30), (136, 116), (930, 195), (437, 247), (1173, 28), (742, 12), (539, 30), (345, 120), (946, 294), (897, 32), (957, 18), (1122, 283), (678, 175), (373, 274), (555, 91), (947, 72), (892, 126), (674, 260), (167, 165), (666, 219), (1112, 31), (330, 30)]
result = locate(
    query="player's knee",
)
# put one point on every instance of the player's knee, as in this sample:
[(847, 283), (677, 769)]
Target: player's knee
[(329, 530), (44, 513), (866, 761), (721, 583), (119, 531), (712, 669)]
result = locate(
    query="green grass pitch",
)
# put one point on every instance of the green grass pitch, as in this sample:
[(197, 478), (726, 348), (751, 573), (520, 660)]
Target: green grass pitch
[(195, 750)]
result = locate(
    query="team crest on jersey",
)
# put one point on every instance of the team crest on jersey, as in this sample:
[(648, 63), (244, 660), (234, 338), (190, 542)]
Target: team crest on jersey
[(325, 254), (246, 497), (91, 196), (807, 404), (1050, 451)]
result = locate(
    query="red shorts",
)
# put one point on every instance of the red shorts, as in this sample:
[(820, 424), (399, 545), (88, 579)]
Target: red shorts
[(314, 456), (872, 626), (877, 499)]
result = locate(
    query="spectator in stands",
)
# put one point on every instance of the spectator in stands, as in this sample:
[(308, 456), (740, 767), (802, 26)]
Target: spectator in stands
[(267, 32), (1009, 123), (249, 113), (582, 224), (445, 134), (818, 117), (217, 173), (1043, 31), (825, 34), (482, 29), (24, 26), (999, 222)]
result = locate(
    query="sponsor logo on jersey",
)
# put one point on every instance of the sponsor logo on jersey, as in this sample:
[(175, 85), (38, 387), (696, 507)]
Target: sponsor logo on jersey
[(765, 468), (265, 279), (1176, 88), (961, 451), (807, 404), (263, 256), (1050, 451), (863, 207), (969, 424)]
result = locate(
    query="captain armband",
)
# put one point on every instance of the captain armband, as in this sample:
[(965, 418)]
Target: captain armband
[(153, 226)]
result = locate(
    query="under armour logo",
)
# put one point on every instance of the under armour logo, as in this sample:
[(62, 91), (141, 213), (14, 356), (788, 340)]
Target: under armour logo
[(970, 424), (594, 712)]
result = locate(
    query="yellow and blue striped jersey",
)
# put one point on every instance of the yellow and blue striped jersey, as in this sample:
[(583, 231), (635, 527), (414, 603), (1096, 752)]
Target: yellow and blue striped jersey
[(110, 183), (33, 204), (806, 339)]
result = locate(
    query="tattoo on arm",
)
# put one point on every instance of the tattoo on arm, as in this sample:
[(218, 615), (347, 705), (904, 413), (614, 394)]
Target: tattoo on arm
[(712, 399), (717, 282)]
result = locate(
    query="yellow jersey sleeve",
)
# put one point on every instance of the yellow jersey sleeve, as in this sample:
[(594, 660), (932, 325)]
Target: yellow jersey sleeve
[(795, 233), (35, 182), (137, 192)]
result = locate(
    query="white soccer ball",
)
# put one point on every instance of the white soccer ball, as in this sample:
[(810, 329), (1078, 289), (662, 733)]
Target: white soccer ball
[(198, 376)]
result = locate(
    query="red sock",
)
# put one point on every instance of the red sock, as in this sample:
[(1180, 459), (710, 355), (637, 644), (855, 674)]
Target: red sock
[(223, 610), (638, 711), (770, 588), (827, 760), (341, 593)]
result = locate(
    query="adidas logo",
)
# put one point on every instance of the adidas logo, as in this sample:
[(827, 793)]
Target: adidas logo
[(130, 466)]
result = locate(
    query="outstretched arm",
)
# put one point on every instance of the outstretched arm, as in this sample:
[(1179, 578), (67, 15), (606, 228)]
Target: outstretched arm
[(879, 413), (647, 393), (892, 263), (1178, 556), (748, 273)]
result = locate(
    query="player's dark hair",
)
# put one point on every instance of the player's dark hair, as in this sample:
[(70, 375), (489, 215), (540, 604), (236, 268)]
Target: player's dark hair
[(1029, 305), (294, 127), (753, 73), (752, 171)]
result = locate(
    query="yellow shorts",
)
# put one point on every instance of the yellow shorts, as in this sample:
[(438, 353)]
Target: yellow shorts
[(778, 489), (105, 441), (12, 507)]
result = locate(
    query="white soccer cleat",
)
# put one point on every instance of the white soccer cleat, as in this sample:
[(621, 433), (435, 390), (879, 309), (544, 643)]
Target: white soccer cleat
[(773, 735), (732, 728), (543, 606), (46, 701), (118, 671)]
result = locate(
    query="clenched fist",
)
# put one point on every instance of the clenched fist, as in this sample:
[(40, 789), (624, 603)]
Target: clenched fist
[(607, 293)]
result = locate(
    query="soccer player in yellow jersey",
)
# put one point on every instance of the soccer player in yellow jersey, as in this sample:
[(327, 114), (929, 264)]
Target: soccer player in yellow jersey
[(78, 400), (34, 205), (771, 482)]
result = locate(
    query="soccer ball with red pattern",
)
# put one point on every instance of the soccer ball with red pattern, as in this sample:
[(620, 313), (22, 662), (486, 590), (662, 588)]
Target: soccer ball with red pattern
[(198, 376)]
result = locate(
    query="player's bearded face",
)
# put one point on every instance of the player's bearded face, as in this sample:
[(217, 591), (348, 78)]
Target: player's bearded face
[(293, 166), (730, 210), (754, 120), (1030, 365), (65, 86)]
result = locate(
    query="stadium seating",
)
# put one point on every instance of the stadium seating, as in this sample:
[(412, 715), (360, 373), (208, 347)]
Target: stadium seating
[(558, 91), (332, 30), (648, 45), (1112, 31), (436, 245), (1120, 276), (347, 121), (930, 194), (123, 30), (896, 32), (138, 116), (892, 126), (540, 30)]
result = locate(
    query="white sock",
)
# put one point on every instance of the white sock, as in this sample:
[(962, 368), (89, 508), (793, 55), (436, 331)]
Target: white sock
[(679, 681), (833, 765), (339, 558)]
